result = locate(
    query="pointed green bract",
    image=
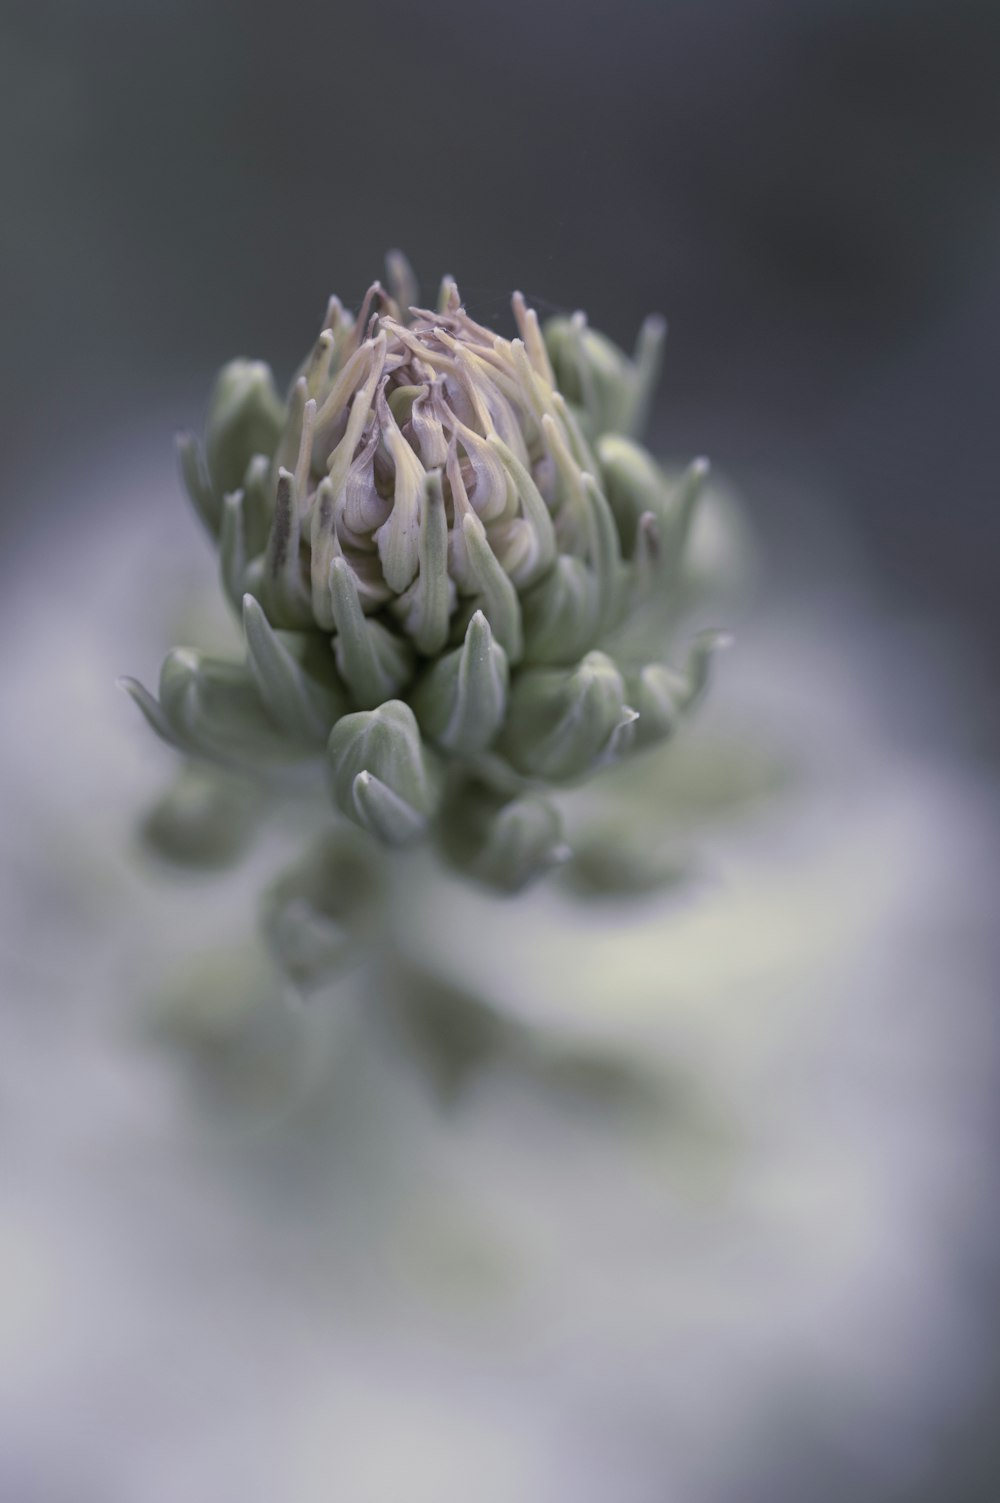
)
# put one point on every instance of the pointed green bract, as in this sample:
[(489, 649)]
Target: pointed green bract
[(563, 723), (647, 363), (294, 701), (652, 690), (534, 509), (505, 841), (604, 550), (562, 614), (284, 586), (662, 695), (245, 417), (497, 594), (684, 505), (612, 392), (378, 772), (210, 707), (258, 508), (462, 700), (233, 551), (203, 498), (151, 710), (520, 843), (634, 484), (383, 812), (373, 662)]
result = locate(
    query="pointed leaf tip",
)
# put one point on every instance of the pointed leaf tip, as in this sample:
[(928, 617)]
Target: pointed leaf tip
[(378, 773), (298, 704)]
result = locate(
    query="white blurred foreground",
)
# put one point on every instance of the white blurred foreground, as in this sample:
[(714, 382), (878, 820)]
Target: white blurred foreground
[(250, 1255)]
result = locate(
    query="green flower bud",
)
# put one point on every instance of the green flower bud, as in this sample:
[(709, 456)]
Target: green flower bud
[(244, 526), (378, 774), (506, 843), (562, 724), (441, 533), (295, 700), (462, 701), (651, 691), (661, 695), (521, 843), (210, 708), (497, 595), (634, 484), (562, 614), (613, 392), (275, 708), (245, 417), (373, 662)]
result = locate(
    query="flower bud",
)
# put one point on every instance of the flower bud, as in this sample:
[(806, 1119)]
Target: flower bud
[(661, 694), (209, 707), (561, 614), (444, 532), (634, 484), (378, 773), (563, 724), (520, 843), (613, 392), (652, 690), (245, 417), (496, 593), (461, 702), (373, 662), (295, 701), (506, 843)]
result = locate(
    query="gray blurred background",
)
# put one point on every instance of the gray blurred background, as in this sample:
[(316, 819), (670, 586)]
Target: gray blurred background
[(807, 188)]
